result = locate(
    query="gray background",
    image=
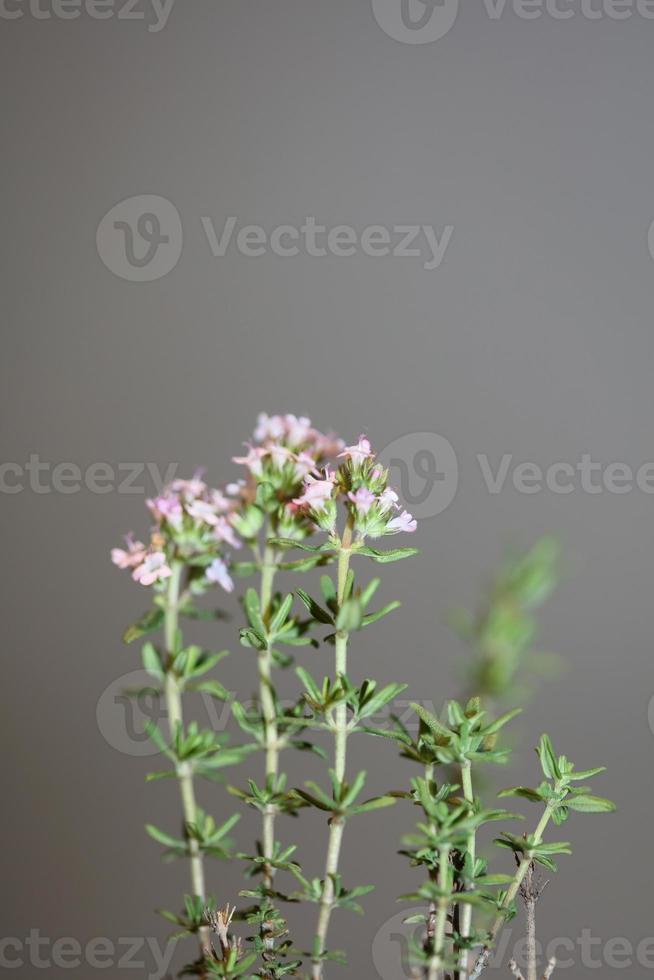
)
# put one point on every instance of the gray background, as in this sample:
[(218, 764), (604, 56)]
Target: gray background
[(534, 140)]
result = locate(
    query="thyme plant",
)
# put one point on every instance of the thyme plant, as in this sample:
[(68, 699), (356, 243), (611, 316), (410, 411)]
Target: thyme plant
[(284, 451), (182, 561), (360, 484), (307, 492), (457, 881)]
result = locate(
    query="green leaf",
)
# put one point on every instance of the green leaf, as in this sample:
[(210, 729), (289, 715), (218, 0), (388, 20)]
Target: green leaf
[(369, 591), (252, 638), (281, 615), (524, 791), (303, 564), (350, 616), (384, 611), (590, 804), (431, 721), (309, 683), (585, 773), (287, 543), (497, 879), (547, 758), (152, 661), (378, 803), (155, 736), (148, 623), (328, 589), (162, 838), (212, 687), (382, 557), (316, 610), (253, 610), (500, 722)]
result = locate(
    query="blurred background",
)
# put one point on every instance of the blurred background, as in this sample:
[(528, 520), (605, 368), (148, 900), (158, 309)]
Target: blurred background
[(508, 150)]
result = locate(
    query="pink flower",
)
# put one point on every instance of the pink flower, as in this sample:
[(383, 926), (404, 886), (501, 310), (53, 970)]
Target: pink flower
[(358, 454), (269, 427), (363, 500), (304, 463), (225, 532), (326, 446), (194, 487), (316, 492), (200, 510), (217, 572), (234, 489), (405, 522), (130, 558), (154, 569), (298, 430), (166, 508), (219, 501), (252, 460), (387, 500), (280, 455)]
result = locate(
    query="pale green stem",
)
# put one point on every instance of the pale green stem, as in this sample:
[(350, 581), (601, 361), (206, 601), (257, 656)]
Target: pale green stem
[(431, 920), (337, 824), (268, 709), (176, 722), (465, 921), (438, 952)]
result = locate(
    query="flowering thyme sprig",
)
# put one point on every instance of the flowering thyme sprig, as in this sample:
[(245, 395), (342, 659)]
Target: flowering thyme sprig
[(184, 558), (360, 485), (284, 449)]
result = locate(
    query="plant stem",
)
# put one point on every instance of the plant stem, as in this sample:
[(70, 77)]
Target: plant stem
[(482, 959), (337, 824), (465, 928), (431, 921), (176, 723), (438, 950), (530, 909), (268, 568)]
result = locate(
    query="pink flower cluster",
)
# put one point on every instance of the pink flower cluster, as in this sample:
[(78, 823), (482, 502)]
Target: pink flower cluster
[(363, 485), (283, 451), (148, 565), (190, 519), (209, 510), (290, 483), (287, 441)]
